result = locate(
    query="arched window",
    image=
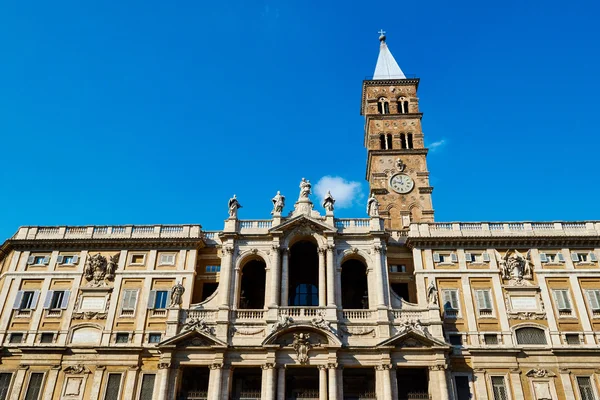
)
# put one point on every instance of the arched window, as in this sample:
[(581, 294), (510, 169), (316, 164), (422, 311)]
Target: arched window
[(252, 287), (304, 275), (403, 140), (530, 336), (383, 106), (306, 295), (402, 105), (389, 141), (382, 141), (410, 140), (354, 285)]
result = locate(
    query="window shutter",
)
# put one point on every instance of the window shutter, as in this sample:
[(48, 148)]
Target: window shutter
[(18, 299), (48, 299), (480, 299), (486, 256), (575, 257), (593, 257), (436, 257), (447, 299), (34, 301), (560, 256), (30, 260), (65, 300), (454, 258), (468, 257), (558, 299), (593, 300), (75, 259), (151, 299), (543, 257), (454, 296), (59, 259), (487, 299), (46, 260)]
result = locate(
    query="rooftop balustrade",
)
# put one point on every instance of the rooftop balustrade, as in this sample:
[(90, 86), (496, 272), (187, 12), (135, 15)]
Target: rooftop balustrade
[(490, 229), (108, 232)]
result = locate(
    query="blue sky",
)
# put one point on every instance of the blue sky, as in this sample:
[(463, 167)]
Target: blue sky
[(157, 112)]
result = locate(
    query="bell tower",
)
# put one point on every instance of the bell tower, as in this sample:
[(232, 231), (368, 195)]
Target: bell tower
[(396, 154)]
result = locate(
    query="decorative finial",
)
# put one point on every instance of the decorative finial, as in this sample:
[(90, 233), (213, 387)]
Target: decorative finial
[(381, 35)]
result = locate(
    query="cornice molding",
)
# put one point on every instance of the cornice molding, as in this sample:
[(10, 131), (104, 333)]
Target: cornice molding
[(113, 243), (517, 242)]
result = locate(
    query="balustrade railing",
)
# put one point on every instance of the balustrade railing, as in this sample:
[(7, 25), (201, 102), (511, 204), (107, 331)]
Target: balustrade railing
[(357, 314), (501, 228), (91, 232), (207, 315), (248, 314), (195, 395), (300, 312)]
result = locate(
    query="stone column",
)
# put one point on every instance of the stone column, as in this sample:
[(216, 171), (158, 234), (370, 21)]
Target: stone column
[(275, 277), (97, 382), (377, 250), (394, 383), (50, 384), (281, 382), (322, 382), (130, 380), (19, 381), (515, 379), (565, 378), (285, 277), (214, 381), (333, 384), (163, 381), (330, 276), (322, 284), (438, 386), (226, 382), (386, 384), (226, 270), (269, 381), (480, 386)]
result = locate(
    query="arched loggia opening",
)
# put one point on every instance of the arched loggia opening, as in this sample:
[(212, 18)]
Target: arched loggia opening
[(354, 285), (304, 274), (252, 287)]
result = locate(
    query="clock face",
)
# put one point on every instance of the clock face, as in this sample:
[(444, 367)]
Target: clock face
[(401, 183)]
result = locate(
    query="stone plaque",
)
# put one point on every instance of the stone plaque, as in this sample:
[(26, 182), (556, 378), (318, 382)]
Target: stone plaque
[(528, 303), (86, 335), (93, 303), (73, 386)]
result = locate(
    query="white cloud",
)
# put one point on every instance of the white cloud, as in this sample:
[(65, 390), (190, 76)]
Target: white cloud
[(346, 193), (437, 145)]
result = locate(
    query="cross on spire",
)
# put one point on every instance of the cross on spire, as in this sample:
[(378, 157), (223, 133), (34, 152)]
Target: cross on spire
[(381, 32)]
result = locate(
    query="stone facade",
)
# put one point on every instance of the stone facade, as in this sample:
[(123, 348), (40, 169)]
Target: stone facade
[(306, 305)]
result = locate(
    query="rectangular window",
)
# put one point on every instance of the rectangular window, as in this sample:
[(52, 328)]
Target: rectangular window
[(137, 259), (57, 299), (129, 301), (166, 259), (47, 337), (490, 339), (447, 258), (455, 340), (552, 258), (585, 388), (40, 260), (122, 338), (499, 388), (561, 298), (154, 338), (26, 299), (463, 390), (5, 379), (67, 260), (146, 393), (161, 299), (572, 339), (16, 338), (593, 298), (484, 302), (35, 386), (451, 305), (213, 268), (113, 387)]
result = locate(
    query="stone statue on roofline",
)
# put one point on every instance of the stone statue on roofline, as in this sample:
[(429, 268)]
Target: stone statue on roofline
[(373, 206), (278, 203), (305, 189), (328, 202), (233, 205)]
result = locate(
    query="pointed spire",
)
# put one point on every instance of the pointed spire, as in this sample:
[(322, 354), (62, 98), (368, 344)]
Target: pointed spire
[(387, 67)]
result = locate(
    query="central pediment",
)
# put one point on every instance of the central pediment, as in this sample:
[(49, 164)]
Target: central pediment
[(304, 222)]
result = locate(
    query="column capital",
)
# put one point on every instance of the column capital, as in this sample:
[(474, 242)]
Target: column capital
[(383, 367), (438, 367), (330, 247), (216, 366), (515, 371), (322, 367), (332, 365), (228, 249), (322, 250), (275, 246), (565, 371), (268, 366), (164, 365)]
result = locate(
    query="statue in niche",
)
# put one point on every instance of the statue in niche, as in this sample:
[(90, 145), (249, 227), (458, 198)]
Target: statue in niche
[(177, 292), (233, 205), (328, 202), (432, 294), (302, 346), (373, 206), (305, 189), (278, 203), (514, 266)]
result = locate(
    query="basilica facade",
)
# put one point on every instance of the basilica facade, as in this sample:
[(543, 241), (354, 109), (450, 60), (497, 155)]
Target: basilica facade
[(306, 305)]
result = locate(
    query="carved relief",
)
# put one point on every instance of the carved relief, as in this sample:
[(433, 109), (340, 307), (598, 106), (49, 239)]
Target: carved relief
[(76, 370), (302, 345), (540, 373), (89, 315), (283, 322), (515, 267), (197, 324), (98, 269)]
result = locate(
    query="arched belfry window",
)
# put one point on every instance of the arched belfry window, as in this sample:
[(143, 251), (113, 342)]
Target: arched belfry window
[(403, 141), (385, 141), (389, 141), (409, 138), (383, 106), (402, 105), (382, 141)]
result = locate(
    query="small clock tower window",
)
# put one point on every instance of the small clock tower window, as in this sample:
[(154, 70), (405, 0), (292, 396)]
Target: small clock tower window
[(383, 106), (402, 105)]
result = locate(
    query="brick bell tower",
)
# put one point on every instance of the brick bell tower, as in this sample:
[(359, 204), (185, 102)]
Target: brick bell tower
[(396, 154)]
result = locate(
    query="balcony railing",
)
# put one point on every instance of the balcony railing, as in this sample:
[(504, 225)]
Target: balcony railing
[(357, 314), (248, 314), (438, 229), (300, 312), (105, 232)]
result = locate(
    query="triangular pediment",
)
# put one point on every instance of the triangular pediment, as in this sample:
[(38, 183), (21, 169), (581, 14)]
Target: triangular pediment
[(413, 338), (303, 221), (193, 338)]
